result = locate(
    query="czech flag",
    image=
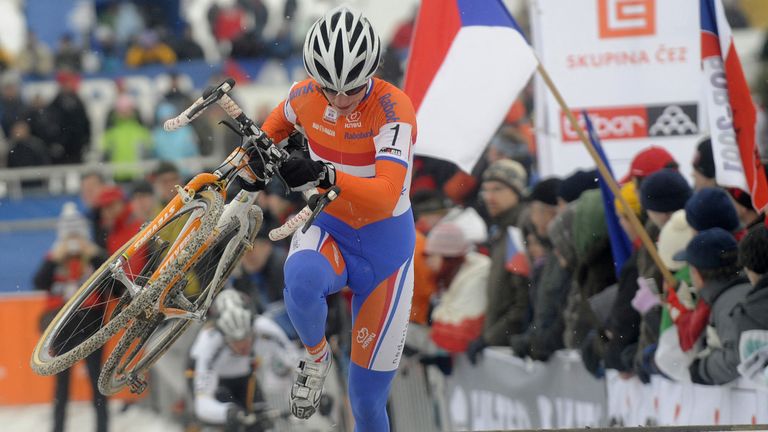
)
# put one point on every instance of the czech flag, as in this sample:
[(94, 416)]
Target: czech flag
[(468, 62), (732, 113), (516, 261)]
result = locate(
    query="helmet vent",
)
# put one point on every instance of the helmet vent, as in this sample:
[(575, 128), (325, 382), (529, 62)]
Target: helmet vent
[(355, 72)]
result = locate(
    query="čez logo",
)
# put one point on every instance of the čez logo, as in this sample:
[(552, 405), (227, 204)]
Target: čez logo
[(626, 18)]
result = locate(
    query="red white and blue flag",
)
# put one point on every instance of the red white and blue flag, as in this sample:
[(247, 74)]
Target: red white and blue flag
[(732, 113), (516, 261), (468, 62)]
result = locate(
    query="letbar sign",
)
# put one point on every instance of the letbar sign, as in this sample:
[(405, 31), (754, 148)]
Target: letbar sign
[(636, 122)]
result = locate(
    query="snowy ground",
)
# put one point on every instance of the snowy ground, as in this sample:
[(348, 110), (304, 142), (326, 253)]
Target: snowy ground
[(81, 417)]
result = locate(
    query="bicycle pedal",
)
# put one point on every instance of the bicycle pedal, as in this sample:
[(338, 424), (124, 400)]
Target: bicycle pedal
[(136, 384)]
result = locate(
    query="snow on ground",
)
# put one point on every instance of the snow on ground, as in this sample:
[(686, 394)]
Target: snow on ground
[(81, 417)]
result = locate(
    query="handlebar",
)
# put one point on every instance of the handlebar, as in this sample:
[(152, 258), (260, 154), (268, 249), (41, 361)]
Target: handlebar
[(274, 155)]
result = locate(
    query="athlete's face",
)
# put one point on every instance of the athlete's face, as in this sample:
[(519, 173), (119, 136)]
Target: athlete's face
[(241, 347), (345, 103)]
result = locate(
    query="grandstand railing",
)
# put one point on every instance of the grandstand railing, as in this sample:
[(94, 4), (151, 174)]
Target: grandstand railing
[(65, 179)]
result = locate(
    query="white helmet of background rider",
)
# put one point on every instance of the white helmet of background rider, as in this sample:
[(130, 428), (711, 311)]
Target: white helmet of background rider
[(341, 51), (233, 317)]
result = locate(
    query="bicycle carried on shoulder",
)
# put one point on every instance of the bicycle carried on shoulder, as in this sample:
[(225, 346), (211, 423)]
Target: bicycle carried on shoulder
[(167, 275)]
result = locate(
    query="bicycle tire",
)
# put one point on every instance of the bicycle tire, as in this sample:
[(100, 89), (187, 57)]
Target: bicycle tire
[(112, 379), (43, 362)]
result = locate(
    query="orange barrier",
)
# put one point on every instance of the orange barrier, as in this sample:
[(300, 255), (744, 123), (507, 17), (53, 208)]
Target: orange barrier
[(19, 317)]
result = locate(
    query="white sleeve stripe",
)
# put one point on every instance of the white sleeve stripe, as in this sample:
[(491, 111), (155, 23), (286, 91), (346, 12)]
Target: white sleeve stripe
[(394, 141), (288, 111), (290, 114)]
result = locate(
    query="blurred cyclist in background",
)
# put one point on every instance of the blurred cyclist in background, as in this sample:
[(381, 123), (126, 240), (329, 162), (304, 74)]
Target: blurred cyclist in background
[(227, 357)]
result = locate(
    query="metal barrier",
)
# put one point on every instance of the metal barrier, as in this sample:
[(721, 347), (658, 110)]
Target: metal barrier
[(503, 392)]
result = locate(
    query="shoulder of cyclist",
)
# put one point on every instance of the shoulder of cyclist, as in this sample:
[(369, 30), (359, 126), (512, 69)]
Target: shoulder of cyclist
[(266, 328), (206, 344)]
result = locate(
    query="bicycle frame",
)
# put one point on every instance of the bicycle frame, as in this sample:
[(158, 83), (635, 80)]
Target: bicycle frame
[(235, 165), (238, 210)]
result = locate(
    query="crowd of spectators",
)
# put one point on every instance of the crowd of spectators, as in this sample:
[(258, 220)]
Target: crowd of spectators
[(37, 133), (552, 281), (133, 34)]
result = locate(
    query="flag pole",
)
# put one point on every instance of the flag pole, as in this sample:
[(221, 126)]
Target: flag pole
[(609, 180)]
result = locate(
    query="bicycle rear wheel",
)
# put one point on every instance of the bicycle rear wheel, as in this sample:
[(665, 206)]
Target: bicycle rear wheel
[(105, 304), (148, 339)]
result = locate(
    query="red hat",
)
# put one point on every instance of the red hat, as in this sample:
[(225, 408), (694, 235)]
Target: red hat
[(65, 77), (109, 195), (648, 161)]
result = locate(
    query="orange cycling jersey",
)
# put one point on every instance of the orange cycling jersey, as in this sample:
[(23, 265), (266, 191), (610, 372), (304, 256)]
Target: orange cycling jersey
[(371, 147)]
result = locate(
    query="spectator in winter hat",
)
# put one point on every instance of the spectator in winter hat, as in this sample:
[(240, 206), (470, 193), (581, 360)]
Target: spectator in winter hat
[(70, 262), (543, 208), (712, 255), (629, 193), (447, 240), (509, 278), (752, 313), (429, 206), (72, 224), (509, 173), (704, 165), (572, 186), (742, 201), (647, 162), (461, 274), (663, 193), (673, 238), (622, 326), (550, 276), (712, 207), (753, 254)]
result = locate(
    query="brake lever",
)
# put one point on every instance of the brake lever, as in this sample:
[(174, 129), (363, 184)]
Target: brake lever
[(318, 202), (232, 128)]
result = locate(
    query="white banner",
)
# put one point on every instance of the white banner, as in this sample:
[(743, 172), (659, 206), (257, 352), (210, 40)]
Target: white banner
[(668, 403), (504, 392), (633, 64)]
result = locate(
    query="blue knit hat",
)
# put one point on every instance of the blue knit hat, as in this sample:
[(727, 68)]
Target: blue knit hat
[(571, 187), (711, 207), (664, 191), (710, 249)]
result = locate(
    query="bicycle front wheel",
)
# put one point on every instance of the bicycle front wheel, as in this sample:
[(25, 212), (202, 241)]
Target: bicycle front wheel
[(124, 286)]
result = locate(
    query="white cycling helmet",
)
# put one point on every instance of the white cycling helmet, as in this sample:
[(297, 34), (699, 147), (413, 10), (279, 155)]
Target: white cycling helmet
[(233, 318), (341, 51)]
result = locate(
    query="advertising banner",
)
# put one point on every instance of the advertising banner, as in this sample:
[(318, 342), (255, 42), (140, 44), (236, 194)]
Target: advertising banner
[(633, 65), (504, 392)]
